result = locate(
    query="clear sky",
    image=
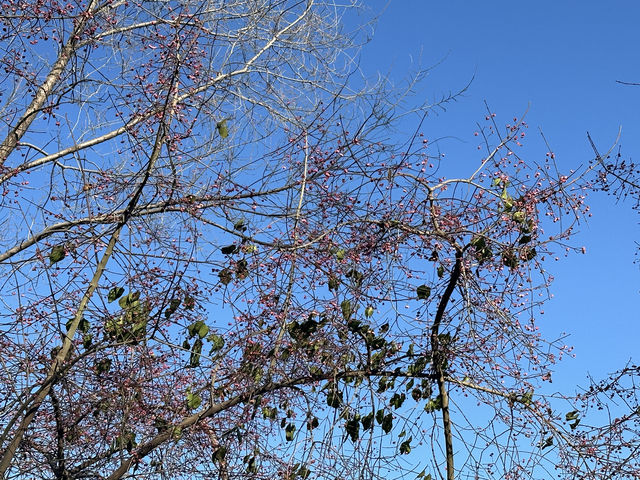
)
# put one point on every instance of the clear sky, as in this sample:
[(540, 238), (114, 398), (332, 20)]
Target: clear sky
[(561, 60)]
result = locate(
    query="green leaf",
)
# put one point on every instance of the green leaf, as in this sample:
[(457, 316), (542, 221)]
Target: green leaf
[(193, 400), (524, 239), (423, 292), (240, 225), (387, 423), (289, 431), (114, 294), (196, 350), (269, 412), (405, 447), (352, 428), (506, 200), (340, 253), (356, 326), (510, 258), (572, 415), (103, 366), (198, 328), (251, 465), (312, 423), (173, 306), (367, 422), (368, 312), (303, 472), (217, 342), (84, 325), (547, 442), (397, 400), (229, 250), (58, 252), (189, 302), (345, 306), (416, 394), (222, 128), (482, 250), (355, 276), (334, 283), (161, 424), (440, 271), (129, 301), (418, 366), (242, 271), (334, 397), (219, 454), (225, 276), (382, 385)]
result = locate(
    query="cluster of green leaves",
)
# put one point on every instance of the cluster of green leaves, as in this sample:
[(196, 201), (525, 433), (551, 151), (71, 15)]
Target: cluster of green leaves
[(130, 326), (200, 331)]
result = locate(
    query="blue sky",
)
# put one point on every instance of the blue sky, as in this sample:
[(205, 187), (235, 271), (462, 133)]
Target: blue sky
[(561, 60)]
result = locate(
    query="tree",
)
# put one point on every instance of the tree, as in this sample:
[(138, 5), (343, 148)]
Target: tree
[(220, 262)]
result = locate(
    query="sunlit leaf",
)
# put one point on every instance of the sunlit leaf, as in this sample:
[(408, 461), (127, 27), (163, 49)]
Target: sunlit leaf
[(114, 294), (193, 400), (345, 306), (572, 415), (223, 129), (217, 342)]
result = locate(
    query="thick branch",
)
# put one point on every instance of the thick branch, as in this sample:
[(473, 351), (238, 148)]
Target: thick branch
[(439, 359), (43, 92)]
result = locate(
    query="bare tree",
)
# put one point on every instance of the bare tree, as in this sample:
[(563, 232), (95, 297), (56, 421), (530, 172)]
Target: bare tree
[(220, 262)]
